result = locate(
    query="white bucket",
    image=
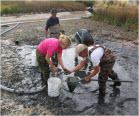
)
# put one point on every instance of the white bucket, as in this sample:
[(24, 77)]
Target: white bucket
[(34, 59), (54, 85)]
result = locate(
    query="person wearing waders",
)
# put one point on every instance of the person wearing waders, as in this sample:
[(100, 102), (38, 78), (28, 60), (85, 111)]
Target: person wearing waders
[(103, 60), (82, 36), (54, 27), (46, 49)]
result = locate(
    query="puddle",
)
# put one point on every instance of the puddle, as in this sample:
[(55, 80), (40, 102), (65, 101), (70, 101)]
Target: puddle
[(84, 100), (85, 96)]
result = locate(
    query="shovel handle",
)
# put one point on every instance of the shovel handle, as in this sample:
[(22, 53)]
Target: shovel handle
[(106, 80), (111, 80)]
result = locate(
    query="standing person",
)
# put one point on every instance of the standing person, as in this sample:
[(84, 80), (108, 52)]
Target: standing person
[(46, 49), (82, 36), (54, 27), (103, 60)]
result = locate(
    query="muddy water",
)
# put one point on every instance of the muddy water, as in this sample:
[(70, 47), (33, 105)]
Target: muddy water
[(18, 73), (85, 98)]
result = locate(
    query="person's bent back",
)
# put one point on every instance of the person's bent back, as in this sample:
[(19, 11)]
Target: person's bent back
[(82, 36)]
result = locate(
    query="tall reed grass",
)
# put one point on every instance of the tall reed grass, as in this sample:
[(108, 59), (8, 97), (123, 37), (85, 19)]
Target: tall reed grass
[(120, 16), (15, 7)]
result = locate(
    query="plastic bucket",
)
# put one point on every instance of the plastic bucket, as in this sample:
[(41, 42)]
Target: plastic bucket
[(54, 85), (34, 59)]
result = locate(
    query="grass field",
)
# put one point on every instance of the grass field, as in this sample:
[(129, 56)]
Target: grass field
[(116, 13), (15, 7), (120, 16)]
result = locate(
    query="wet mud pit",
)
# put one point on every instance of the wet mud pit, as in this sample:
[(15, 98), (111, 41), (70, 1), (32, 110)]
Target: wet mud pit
[(17, 72)]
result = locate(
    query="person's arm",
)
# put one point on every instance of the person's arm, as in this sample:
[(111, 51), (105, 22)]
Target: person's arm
[(59, 57), (79, 66), (47, 27), (96, 70), (47, 57), (46, 31)]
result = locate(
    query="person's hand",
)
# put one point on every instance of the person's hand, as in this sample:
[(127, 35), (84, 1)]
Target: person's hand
[(55, 69), (66, 71), (87, 79)]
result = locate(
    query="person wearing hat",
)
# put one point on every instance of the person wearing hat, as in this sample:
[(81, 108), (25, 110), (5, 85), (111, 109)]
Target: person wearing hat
[(103, 60), (54, 27), (82, 36)]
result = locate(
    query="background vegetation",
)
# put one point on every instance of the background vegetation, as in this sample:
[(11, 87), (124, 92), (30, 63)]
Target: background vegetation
[(112, 12), (118, 13), (15, 7)]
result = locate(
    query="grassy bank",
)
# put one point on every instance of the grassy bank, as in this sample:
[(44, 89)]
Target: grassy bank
[(119, 16), (15, 7)]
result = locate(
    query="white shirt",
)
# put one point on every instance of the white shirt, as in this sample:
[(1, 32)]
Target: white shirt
[(95, 56)]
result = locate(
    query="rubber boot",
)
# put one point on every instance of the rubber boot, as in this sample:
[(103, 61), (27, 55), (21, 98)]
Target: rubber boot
[(45, 79), (101, 99), (117, 83), (102, 92), (114, 76)]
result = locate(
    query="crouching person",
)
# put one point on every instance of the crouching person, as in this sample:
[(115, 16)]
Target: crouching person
[(46, 49), (82, 36), (103, 60)]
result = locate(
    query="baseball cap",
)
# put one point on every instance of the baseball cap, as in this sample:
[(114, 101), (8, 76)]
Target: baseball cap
[(53, 11), (79, 49)]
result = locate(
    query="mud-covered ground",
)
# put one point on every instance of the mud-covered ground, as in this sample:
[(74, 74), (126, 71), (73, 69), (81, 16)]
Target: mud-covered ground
[(17, 72)]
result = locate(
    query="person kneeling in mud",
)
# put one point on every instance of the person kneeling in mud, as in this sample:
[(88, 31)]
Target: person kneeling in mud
[(103, 60), (46, 49), (82, 36)]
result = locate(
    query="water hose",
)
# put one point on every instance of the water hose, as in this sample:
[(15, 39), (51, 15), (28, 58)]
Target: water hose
[(25, 92), (10, 29), (21, 92), (14, 90)]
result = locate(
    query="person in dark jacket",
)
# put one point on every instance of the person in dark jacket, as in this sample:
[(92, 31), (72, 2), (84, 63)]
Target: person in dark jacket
[(53, 25), (82, 36)]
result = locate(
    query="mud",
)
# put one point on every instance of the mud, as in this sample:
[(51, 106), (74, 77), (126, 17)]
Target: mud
[(42, 17), (17, 72)]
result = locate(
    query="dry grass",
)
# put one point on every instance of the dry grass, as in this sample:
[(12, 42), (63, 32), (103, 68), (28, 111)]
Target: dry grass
[(120, 16), (15, 7)]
